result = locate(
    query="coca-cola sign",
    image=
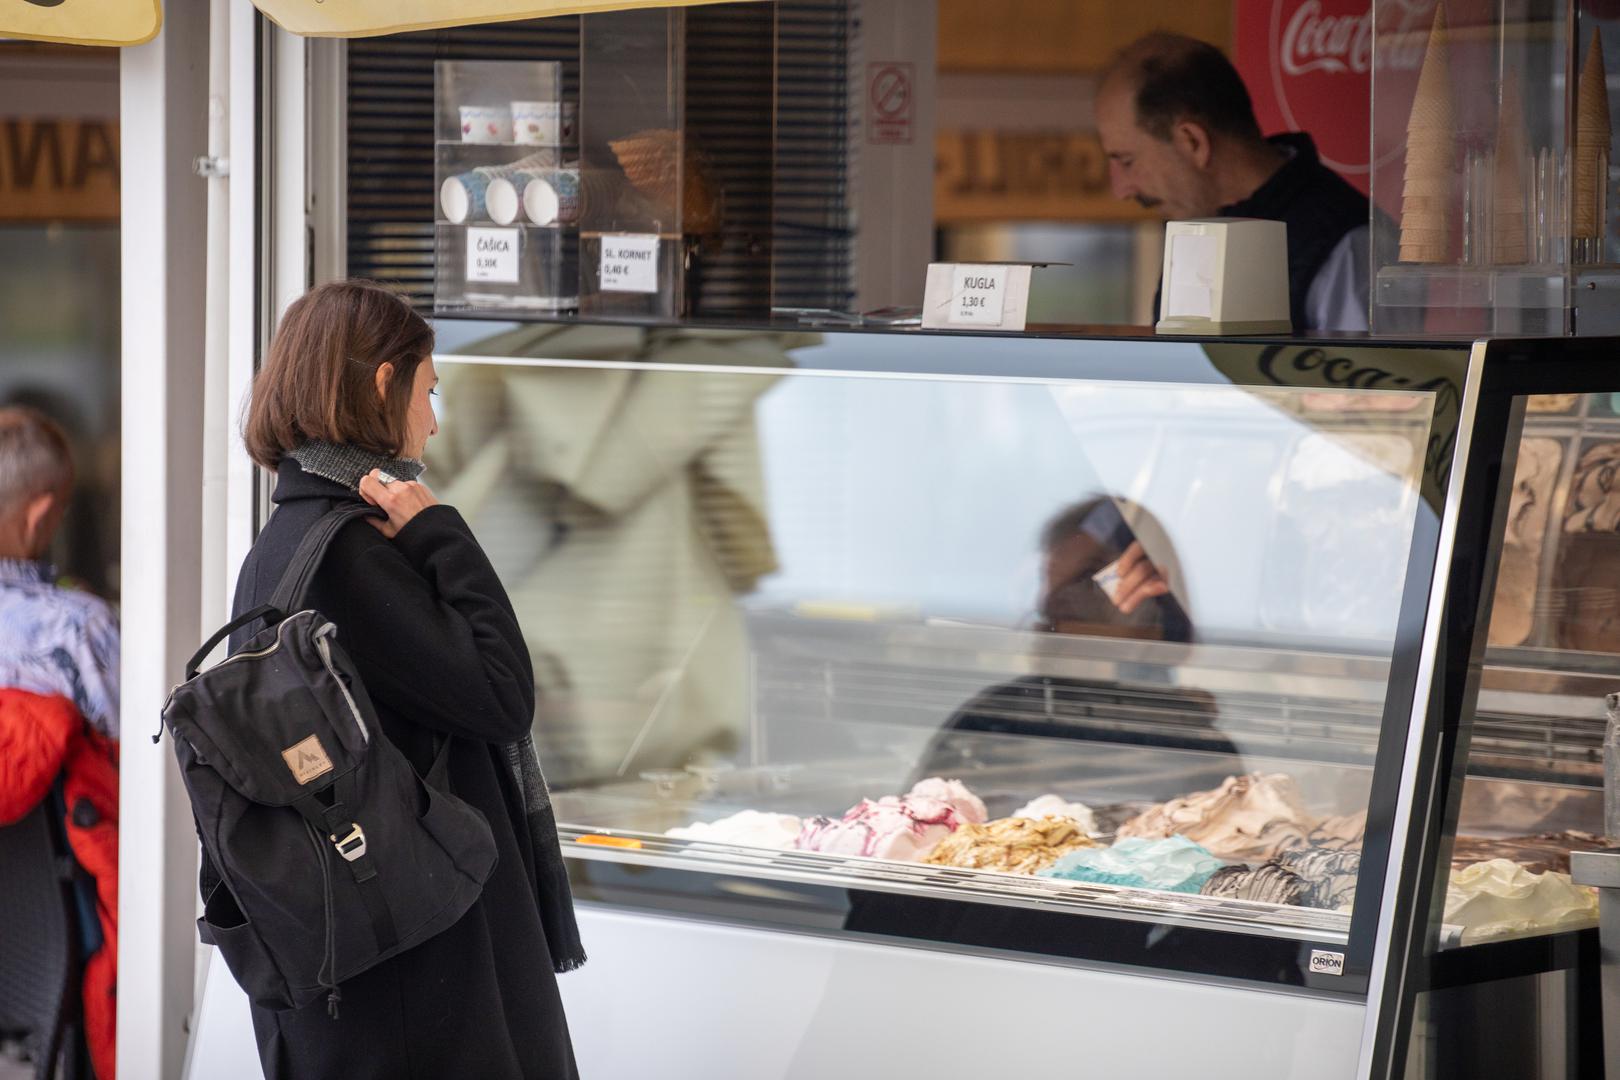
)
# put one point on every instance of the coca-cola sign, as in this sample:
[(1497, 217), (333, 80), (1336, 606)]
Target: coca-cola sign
[(1308, 65), (1316, 40)]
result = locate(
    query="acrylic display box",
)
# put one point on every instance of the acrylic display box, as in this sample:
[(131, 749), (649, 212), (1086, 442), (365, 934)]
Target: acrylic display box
[(649, 196), (506, 173), (1492, 145)]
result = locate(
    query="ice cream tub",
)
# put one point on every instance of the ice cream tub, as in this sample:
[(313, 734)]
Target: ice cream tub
[(543, 123), (486, 124)]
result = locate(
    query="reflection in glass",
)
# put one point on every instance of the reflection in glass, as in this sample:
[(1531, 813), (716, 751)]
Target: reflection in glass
[(790, 618), (1532, 787)]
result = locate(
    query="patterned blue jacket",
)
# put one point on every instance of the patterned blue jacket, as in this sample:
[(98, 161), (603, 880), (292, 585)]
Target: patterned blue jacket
[(58, 641)]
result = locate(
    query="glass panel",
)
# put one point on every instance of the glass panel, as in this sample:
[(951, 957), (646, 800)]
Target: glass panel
[(1078, 643), (1534, 784), (59, 354), (1538, 1029), (644, 184)]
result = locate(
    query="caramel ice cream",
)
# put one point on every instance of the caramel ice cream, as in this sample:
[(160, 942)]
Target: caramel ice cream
[(1015, 845)]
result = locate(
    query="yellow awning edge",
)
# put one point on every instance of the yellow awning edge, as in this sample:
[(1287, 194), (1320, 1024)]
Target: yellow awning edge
[(369, 18), (82, 22)]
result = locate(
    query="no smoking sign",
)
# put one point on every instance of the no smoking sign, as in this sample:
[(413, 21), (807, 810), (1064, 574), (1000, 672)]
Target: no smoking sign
[(890, 101)]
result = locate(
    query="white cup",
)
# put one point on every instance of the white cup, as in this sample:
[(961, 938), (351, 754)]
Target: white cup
[(542, 123), (486, 124), (502, 199), (552, 197)]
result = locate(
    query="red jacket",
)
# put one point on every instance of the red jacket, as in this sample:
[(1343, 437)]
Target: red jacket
[(41, 737)]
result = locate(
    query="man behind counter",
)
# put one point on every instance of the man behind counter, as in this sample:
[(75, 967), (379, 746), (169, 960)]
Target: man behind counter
[(1179, 130)]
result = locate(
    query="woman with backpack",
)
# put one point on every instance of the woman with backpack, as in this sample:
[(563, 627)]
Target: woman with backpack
[(341, 412)]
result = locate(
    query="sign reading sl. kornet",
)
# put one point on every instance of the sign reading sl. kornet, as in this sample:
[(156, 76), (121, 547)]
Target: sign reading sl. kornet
[(81, 22)]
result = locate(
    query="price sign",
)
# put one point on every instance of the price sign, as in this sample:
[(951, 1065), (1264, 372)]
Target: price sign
[(629, 263), (978, 295), (492, 255)]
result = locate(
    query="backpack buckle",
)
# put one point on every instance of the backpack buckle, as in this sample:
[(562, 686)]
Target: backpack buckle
[(353, 846)]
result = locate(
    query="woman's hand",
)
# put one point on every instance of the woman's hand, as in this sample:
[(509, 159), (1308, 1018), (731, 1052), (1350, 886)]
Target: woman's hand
[(402, 499), (1139, 580)]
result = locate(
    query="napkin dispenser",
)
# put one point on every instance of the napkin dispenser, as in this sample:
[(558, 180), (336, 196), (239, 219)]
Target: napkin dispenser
[(1224, 276)]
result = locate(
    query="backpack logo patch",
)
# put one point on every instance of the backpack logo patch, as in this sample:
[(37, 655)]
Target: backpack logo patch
[(307, 759)]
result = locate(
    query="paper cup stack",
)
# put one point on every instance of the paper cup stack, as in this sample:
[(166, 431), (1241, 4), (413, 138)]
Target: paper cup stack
[(1431, 157), (1592, 144), (465, 197), (545, 197), (1509, 221)]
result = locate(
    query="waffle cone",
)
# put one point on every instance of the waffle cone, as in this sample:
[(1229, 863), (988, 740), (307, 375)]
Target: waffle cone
[(666, 173), (1432, 107), (1430, 155), (1430, 187), (1425, 238), (1509, 243), (1425, 253), (1592, 142), (1592, 98), (1429, 115), (1419, 204)]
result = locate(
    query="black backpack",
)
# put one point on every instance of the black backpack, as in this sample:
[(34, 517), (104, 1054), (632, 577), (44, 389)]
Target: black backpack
[(330, 853)]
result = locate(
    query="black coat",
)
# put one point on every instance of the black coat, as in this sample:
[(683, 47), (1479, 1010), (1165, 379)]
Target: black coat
[(434, 638)]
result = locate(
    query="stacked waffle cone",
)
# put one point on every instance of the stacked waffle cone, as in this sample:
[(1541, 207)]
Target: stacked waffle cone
[(1592, 142), (1509, 222), (658, 168), (1431, 155)]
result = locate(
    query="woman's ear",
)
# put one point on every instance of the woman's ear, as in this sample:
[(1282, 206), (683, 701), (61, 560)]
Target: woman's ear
[(385, 375)]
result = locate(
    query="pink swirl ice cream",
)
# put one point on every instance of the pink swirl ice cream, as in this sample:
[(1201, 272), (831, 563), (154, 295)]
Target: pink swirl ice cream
[(896, 827)]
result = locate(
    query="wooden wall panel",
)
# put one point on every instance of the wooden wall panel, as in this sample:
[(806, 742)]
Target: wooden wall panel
[(1064, 35)]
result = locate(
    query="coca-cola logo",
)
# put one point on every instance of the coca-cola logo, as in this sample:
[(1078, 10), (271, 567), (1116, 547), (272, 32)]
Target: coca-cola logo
[(1320, 56), (1315, 40)]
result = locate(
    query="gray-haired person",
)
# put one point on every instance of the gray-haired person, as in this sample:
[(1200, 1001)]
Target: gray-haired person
[(52, 640)]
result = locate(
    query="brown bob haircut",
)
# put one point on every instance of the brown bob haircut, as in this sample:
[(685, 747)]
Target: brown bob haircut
[(319, 381)]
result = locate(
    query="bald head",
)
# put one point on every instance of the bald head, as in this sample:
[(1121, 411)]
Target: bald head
[(35, 460)]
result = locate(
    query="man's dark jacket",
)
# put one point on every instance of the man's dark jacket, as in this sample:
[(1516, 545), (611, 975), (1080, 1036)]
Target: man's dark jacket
[(1319, 206)]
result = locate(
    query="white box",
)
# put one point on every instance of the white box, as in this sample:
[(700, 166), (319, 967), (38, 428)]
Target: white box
[(1225, 276)]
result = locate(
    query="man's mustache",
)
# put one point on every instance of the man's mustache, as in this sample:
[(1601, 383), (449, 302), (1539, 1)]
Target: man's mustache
[(1146, 202)]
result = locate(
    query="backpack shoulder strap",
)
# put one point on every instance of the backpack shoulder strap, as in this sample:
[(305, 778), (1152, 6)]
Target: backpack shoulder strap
[(295, 580)]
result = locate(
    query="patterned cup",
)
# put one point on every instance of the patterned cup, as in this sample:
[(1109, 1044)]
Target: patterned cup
[(463, 197)]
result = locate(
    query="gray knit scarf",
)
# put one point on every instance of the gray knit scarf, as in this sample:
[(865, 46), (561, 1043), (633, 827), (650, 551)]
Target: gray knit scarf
[(343, 464)]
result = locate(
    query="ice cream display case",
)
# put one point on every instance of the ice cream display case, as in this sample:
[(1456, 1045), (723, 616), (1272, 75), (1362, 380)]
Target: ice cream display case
[(1154, 681)]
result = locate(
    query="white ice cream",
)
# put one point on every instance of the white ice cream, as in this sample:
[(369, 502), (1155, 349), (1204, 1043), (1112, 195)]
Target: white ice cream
[(1058, 806)]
